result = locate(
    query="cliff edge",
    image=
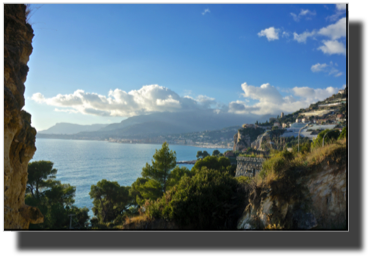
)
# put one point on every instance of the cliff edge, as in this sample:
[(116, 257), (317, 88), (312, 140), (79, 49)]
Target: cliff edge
[(19, 135), (305, 193)]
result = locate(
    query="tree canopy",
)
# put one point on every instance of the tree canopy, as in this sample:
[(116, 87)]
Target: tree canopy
[(332, 135), (164, 160), (212, 162), (215, 153), (110, 200), (56, 201), (41, 175), (207, 200), (201, 154)]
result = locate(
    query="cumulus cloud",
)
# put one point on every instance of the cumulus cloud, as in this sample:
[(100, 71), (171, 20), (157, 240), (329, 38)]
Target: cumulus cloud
[(301, 38), (326, 68), (285, 34), (259, 100), (340, 10), (150, 98), (335, 31), (206, 11), (270, 100), (341, 6), (303, 12), (313, 95), (333, 47), (264, 93), (271, 33)]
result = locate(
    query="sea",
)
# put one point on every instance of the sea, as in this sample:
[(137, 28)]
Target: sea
[(82, 163)]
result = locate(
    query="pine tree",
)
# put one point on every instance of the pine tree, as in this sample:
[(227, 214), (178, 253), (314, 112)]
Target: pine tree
[(164, 160)]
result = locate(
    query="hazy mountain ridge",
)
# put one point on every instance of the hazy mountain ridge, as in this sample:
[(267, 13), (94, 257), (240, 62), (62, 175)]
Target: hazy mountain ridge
[(65, 128), (155, 125)]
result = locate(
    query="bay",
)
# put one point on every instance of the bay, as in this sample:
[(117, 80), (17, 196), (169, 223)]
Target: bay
[(82, 163)]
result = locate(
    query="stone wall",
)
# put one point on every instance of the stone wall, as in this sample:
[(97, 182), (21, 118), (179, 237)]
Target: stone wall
[(248, 166), (19, 136)]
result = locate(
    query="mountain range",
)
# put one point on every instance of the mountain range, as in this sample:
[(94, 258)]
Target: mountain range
[(156, 124)]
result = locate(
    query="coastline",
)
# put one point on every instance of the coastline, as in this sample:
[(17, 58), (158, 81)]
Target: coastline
[(208, 145)]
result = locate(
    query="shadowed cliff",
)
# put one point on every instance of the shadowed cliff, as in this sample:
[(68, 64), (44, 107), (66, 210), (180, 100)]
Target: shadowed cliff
[(19, 136)]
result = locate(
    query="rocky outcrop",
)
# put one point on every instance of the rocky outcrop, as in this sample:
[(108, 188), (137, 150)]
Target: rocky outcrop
[(19, 136), (314, 198), (245, 136)]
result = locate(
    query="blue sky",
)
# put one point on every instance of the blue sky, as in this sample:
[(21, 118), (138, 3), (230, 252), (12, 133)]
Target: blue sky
[(104, 63)]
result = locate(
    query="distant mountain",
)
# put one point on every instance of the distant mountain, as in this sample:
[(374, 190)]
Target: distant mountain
[(161, 124), (64, 128)]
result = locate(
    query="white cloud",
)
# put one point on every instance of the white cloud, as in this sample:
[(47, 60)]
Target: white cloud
[(295, 17), (71, 111), (335, 31), (318, 67), (341, 6), (285, 34), (314, 95), (155, 98), (271, 33), (150, 98), (326, 68), (333, 47), (301, 38), (303, 12), (270, 100), (340, 9), (206, 11)]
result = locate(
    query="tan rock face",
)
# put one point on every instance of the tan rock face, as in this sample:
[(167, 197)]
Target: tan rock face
[(19, 136), (324, 187)]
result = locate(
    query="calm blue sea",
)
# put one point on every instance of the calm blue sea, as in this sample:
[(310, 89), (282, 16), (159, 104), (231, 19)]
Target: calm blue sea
[(83, 163)]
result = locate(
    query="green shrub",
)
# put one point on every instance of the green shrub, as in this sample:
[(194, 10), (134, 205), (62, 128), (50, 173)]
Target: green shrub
[(208, 200), (343, 134)]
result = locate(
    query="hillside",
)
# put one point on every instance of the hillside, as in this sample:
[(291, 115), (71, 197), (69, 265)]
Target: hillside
[(71, 128), (158, 124), (305, 191)]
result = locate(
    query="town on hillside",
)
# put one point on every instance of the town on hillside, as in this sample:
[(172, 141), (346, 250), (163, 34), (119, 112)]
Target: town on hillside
[(327, 114)]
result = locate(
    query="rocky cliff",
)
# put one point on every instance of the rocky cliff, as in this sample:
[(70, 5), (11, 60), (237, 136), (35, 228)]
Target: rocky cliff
[(245, 136), (19, 136), (310, 197)]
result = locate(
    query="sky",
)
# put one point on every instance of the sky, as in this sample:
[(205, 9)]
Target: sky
[(104, 63)]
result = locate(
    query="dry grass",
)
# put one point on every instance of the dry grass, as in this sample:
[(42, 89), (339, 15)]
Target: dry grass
[(301, 160), (136, 220)]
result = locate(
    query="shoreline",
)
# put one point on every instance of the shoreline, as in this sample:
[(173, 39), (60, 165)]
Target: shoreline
[(207, 146)]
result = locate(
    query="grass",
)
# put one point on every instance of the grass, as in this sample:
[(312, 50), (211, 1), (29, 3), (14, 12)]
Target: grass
[(280, 174)]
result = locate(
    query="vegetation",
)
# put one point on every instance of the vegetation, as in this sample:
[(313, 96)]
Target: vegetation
[(343, 134), (207, 200), (111, 202), (54, 200), (279, 175), (220, 164), (164, 160), (330, 136), (201, 154), (156, 179), (215, 153)]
